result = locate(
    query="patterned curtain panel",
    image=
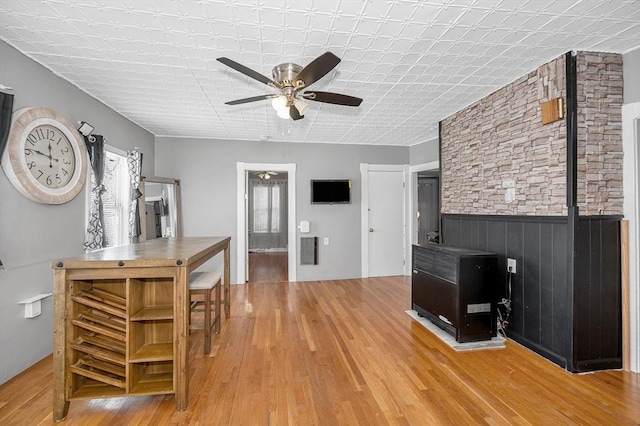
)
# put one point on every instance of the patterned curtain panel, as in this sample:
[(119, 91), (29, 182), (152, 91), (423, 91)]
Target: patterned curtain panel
[(134, 159), (6, 107), (94, 237)]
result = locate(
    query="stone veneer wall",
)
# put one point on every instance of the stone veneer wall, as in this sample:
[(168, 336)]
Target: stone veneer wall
[(566, 295), (502, 138), (599, 133)]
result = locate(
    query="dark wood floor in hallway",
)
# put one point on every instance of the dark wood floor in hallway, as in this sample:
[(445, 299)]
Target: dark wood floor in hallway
[(268, 267), (344, 352)]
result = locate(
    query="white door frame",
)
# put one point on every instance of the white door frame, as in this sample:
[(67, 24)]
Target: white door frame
[(242, 169), (412, 203), (364, 211), (631, 209)]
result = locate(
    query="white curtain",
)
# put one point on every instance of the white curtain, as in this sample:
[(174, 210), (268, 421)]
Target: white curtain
[(267, 214)]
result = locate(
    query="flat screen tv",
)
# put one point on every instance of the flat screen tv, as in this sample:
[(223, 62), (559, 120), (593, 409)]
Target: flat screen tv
[(331, 191)]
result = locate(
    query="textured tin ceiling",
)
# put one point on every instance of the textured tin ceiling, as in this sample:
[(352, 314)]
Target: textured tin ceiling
[(413, 62)]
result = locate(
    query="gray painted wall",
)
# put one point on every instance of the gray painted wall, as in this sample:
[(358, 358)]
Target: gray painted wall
[(33, 234), (425, 152), (630, 73), (207, 173)]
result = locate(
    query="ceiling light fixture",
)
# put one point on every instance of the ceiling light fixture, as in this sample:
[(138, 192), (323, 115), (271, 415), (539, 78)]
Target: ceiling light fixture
[(290, 79), (301, 106), (281, 107), (266, 175)]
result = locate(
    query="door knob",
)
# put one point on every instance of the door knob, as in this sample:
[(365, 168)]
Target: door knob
[(370, 229)]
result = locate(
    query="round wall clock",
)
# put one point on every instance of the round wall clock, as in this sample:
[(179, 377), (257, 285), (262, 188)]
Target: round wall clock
[(45, 157)]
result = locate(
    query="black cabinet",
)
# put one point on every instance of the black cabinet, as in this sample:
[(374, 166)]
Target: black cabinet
[(457, 289)]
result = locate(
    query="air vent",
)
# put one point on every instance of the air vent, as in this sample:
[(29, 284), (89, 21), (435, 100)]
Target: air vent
[(309, 250)]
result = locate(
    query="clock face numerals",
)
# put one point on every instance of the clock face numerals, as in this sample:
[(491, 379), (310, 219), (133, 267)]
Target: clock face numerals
[(45, 158), (49, 156)]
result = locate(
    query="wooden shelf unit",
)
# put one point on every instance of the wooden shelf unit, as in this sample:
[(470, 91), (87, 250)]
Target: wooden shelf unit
[(121, 336), (121, 319)]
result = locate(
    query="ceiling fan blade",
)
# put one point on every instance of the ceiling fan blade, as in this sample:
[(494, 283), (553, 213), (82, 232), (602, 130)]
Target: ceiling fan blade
[(249, 72), (294, 113), (318, 68), (332, 98), (251, 99)]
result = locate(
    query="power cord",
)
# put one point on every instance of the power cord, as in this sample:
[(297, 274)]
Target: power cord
[(505, 304)]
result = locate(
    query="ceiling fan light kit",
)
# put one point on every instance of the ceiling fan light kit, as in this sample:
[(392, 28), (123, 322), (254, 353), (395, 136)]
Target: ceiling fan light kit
[(280, 105), (289, 79), (266, 175), (301, 105)]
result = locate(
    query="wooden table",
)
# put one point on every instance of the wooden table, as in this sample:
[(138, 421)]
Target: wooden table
[(121, 319)]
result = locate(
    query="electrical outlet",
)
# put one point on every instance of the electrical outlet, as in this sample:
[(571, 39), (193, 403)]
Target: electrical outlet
[(510, 191), (511, 265)]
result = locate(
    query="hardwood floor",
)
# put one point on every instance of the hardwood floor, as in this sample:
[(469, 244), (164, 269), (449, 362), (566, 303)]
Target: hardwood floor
[(344, 352), (268, 267)]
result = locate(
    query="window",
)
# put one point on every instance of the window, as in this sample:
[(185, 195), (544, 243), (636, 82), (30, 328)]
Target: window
[(116, 197), (266, 209)]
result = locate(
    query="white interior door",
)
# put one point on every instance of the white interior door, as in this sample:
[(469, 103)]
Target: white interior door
[(386, 223)]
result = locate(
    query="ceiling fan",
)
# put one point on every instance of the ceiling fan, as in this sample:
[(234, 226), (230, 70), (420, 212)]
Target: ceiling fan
[(289, 79), (266, 175)]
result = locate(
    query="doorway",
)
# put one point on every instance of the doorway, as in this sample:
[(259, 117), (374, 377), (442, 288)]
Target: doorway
[(428, 214), (425, 169), (267, 226), (242, 252)]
